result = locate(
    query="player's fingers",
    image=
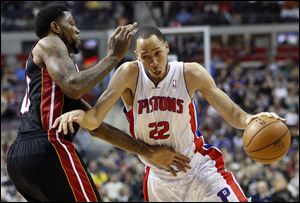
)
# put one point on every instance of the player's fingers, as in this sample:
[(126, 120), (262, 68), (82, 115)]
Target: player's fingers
[(278, 117), (128, 37), (182, 163), (283, 119), (59, 127), (70, 124), (179, 166), (56, 122), (121, 33), (76, 119), (127, 32), (182, 157), (169, 169), (119, 28), (65, 127), (131, 27), (172, 171)]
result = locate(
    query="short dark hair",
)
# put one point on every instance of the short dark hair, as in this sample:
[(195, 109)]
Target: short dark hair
[(45, 16), (146, 32)]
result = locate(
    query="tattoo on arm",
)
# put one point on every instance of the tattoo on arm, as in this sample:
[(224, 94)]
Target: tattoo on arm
[(62, 69), (87, 79)]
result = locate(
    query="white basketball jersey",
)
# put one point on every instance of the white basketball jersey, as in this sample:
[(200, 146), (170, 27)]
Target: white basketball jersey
[(164, 114)]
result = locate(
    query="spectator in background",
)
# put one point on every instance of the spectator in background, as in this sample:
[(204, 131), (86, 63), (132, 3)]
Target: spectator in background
[(281, 192), (262, 192)]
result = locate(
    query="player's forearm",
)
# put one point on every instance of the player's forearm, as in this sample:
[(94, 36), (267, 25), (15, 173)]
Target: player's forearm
[(239, 117), (234, 115), (121, 140), (84, 81), (231, 112)]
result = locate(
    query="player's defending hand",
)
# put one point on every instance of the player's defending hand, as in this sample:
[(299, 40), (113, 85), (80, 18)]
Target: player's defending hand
[(66, 120), (268, 114), (119, 41), (166, 158)]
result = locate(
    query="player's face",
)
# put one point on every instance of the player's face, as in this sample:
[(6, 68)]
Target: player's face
[(153, 52), (69, 32)]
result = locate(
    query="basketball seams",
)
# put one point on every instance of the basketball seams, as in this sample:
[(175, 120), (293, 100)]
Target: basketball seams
[(271, 159), (258, 132), (271, 143)]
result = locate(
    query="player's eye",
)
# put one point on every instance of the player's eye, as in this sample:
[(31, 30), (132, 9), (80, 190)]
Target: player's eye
[(145, 57)]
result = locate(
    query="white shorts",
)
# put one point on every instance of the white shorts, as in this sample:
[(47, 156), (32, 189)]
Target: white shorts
[(206, 181)]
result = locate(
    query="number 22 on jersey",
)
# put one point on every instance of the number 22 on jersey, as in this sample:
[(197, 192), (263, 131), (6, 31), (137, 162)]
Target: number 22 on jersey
[(159, 130)]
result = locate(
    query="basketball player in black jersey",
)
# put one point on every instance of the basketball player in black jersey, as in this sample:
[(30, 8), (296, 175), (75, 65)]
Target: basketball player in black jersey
[(43, 164)]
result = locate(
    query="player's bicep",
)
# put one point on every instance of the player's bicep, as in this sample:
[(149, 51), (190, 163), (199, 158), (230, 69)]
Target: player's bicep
[(59, 64), (116, 87), (198, 78)]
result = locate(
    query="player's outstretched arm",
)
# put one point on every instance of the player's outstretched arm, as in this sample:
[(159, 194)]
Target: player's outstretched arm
[(162, 156), (61, 68), (198, 78)]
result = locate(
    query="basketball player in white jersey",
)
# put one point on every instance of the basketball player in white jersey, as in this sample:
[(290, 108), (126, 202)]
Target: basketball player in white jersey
[(158, 99)]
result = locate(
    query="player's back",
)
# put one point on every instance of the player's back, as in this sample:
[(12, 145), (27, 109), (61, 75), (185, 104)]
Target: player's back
[(44, 101), (164, 114)]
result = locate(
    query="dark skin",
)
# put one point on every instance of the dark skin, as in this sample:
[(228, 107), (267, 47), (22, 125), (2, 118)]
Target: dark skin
[(54, 52)]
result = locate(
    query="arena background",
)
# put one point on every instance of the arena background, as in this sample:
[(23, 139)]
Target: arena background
[(253, 50)]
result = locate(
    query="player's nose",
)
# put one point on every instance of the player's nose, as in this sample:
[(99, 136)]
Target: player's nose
[(154, 65), (77, 31)]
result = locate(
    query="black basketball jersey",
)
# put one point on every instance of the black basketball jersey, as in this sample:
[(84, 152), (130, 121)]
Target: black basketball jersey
[(44, 101)]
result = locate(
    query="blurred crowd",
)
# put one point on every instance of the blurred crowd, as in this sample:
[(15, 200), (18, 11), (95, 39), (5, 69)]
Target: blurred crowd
[(92, 15), (271, 86)]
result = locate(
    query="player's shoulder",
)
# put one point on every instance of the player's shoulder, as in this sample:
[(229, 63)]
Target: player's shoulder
[(193, 68), (127, 74), (129, 67), (51, 43)]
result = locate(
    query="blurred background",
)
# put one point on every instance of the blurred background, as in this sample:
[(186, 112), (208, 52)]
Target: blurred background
[(251, 48)]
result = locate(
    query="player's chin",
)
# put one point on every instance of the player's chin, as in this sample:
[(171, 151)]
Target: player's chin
[(76, 48)]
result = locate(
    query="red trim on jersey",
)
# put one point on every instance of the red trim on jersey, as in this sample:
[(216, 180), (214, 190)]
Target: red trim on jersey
[(215, 155), (198, 142), (72, 168), (145, 184), (130, 118), (46, 96)]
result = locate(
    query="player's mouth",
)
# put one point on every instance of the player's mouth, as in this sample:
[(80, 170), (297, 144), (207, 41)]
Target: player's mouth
[(157, 73)]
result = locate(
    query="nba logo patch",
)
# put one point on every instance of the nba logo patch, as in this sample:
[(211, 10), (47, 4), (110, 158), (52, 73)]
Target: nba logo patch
[(174, 83)]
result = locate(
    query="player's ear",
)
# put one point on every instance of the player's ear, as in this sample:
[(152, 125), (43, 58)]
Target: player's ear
[(54, 27), (167, 46)]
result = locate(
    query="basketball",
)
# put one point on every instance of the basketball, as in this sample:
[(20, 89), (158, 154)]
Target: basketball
[(266, 140)]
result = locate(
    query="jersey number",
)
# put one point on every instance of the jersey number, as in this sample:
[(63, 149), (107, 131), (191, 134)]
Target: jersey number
[(26, 101), (159, 130)]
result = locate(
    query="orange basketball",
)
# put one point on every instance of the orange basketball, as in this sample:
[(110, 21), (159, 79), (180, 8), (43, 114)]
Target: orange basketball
[(266, 140)]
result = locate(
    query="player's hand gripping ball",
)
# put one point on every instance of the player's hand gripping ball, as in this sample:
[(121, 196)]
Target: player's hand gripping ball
[(266, 140)]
